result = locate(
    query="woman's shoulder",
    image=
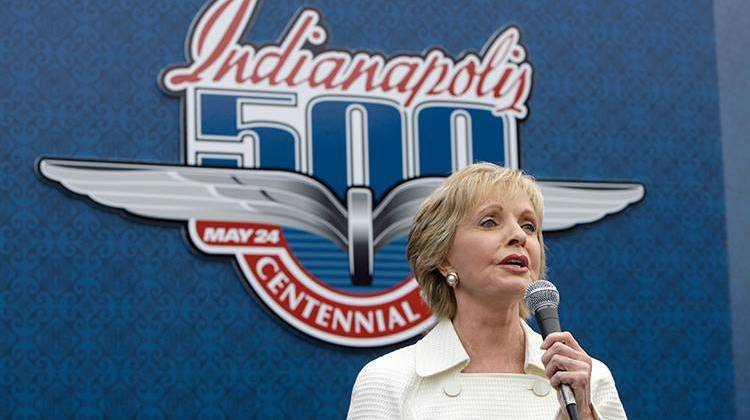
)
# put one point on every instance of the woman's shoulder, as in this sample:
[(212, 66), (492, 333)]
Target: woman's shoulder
[(382, 384), (396, 364)]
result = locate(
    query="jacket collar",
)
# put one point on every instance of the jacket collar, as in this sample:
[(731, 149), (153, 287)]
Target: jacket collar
[(441, 350)]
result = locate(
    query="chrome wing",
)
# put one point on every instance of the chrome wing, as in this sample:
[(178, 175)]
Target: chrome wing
[(567, 204), (174, 192)]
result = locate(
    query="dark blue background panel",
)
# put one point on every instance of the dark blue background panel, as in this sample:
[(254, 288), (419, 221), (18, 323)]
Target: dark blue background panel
[(104, 315)]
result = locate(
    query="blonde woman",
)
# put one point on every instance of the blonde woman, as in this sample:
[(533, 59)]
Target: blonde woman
[(475, 245)]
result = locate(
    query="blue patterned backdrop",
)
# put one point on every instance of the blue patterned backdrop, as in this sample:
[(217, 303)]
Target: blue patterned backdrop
[(104, 315)]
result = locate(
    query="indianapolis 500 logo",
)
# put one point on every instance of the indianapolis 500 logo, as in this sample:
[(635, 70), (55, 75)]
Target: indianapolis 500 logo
[(307, 164)]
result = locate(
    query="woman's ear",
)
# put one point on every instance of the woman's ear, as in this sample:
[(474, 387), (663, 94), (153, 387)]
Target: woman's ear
[(444, 268)]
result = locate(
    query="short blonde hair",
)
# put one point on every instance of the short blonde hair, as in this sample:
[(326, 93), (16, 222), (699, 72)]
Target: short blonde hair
[(431, 235)]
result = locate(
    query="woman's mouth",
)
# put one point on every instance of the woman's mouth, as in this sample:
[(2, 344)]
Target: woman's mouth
[(515, 263)]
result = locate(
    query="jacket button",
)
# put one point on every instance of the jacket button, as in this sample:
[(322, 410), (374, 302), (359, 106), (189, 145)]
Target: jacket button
[(541, 388), (452, 387)]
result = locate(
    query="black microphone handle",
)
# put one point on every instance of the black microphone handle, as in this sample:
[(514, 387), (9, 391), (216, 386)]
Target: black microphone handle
[(549, 322)]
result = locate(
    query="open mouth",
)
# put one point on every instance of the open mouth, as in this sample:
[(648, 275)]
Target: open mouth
[(515, 260)]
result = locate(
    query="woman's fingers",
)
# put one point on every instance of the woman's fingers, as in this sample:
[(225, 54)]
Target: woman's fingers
[(565, 362), (565, 350), (565, 337), (562, 363), (578, 380)]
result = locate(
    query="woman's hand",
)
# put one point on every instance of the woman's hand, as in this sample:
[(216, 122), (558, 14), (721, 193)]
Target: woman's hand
[(566, 362)]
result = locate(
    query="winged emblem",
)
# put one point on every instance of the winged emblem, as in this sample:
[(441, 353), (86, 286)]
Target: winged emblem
[(181, 193)]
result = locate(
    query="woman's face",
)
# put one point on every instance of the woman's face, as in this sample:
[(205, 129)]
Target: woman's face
[(496, 250)]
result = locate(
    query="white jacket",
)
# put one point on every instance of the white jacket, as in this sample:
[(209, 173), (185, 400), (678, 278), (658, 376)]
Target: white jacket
[(424, 381)]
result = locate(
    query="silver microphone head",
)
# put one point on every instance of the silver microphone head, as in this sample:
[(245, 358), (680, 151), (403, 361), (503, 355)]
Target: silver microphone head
[(541, 293)]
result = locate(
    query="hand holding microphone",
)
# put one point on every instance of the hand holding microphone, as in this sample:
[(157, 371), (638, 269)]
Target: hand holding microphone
[(568, 367)]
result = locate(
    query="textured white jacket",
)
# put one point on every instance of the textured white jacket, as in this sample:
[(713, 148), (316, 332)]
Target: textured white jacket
[(424, 381)]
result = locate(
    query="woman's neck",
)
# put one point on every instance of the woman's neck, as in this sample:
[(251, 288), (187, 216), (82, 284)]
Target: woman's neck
[(494, 340)]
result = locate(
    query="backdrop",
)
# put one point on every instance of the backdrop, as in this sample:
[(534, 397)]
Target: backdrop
[(109, 315)]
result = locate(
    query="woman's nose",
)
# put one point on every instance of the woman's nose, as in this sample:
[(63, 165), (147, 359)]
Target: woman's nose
[(516, 236)]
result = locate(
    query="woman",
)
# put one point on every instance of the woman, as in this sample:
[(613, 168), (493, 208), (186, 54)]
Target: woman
[(475, 245)]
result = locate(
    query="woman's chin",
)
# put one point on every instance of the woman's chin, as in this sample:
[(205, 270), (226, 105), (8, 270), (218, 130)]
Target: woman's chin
[(510, 290), (514, 282)]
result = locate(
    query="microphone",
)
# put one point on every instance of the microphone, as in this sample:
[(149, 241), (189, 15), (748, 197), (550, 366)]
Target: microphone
[(542, 299)]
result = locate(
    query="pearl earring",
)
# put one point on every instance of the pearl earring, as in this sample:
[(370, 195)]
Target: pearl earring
[(452, 279)]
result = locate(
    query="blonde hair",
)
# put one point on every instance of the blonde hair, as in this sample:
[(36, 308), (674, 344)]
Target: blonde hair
[(435, 224)]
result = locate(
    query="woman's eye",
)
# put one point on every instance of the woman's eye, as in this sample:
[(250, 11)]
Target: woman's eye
[(529, 227), (488, 223)]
